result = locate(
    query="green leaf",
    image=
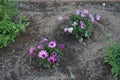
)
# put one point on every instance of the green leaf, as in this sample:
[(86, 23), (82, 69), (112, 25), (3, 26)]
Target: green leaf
[(72, 75), (81, 40), (86, 34)]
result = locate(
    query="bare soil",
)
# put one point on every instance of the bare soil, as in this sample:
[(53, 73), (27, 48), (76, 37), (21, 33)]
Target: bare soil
[(81, 61)]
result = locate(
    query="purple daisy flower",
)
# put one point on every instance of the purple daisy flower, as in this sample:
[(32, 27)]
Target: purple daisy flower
[(74, 24), (67, 18), (90, 15), (40, 46), (60, 18), (51, 59), (57, 59), (32, 50), (85, 12), (44, 40), (65, 29), (61, 46), (77, 12), (82, 15), (54, 54), (52, 44), (43, 54), (97, 17), (92, 18), (82, 25), (70, 30)]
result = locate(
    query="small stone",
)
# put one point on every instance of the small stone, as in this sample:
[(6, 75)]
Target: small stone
[(84, 44), (13, 50), (33, 40), (104, 4), (37, 9), (105, 28), (25, 44)]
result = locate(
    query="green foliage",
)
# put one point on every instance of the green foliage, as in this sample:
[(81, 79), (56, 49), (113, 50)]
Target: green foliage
[(80, 33), (112, 57), (10, 23)]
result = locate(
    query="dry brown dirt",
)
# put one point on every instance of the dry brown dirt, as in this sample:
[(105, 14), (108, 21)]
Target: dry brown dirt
[(81, 61)]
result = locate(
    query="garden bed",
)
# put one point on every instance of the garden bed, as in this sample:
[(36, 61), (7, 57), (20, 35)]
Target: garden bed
[(81, 61)]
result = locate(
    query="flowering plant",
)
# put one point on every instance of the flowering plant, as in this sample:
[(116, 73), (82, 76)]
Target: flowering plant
[(80, 23), (47, 53)]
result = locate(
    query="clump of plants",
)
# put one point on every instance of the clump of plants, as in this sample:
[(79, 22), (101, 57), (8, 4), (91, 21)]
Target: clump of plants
[(47, 53), (10, 22), (80, 23), (112, 57)]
